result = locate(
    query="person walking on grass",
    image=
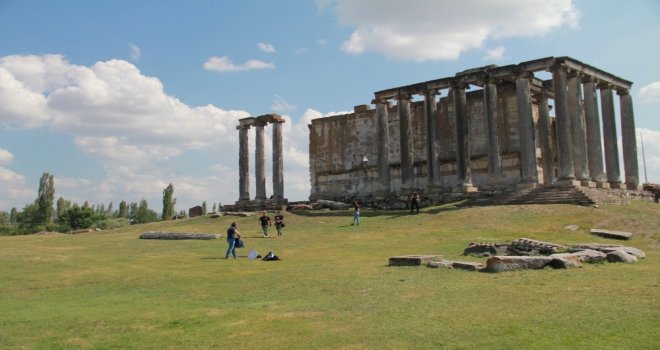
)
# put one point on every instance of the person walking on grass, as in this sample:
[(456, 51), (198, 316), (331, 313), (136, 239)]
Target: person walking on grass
[(414, 201), (279, 223), (356, 213), (232, 236), (265, 223)]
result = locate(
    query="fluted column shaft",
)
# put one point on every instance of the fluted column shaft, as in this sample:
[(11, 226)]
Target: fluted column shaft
[(406, 140), (544, 135), (594, 148), (629, 140), (563, 123), (259, 162), (383, 144), (528, 170), (243, 164), (494, 150), (609, 135), (432, 166), (579, 140), (464, 172), (278, 164)]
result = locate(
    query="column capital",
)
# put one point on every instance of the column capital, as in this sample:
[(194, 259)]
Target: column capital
[(242, 127), (574, 74), (457, 84), (604, 85), (622, 92), (558, 65), (589, 79), (379, 100), (431, 92), (403, 96), (521, 73)]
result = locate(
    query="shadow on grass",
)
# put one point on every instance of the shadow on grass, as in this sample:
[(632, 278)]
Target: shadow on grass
[(392, 213)]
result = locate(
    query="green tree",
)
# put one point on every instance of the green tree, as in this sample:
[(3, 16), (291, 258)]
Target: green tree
[(29, 216), (168, 202), (214, 207), (13, 214), (62, 206), (4, 218), (204, 208), (77, 218), (45, 199), (123, 209), (141, 214)]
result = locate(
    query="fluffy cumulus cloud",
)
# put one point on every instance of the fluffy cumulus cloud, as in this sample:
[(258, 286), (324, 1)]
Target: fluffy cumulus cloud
[(441, 30), (224, 64), (120, 117), (651, 139), (14, 189), (267, 48), (650, 93)]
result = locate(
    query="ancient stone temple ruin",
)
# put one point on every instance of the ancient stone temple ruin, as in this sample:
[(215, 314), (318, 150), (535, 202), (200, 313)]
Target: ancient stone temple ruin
[(260, 200), (482, 131)]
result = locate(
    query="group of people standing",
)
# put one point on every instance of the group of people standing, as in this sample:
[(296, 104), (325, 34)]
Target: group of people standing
[(233, 235)]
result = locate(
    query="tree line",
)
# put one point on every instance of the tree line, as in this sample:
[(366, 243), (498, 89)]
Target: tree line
[(46, 214)]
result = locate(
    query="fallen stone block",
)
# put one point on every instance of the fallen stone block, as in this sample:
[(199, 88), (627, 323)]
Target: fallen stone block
[(513, 263), (413, 260), (526, 244), (611, 234), (620, 255), (565, 261), (486, 249), (590, 256), (443, 264), (466, 265), (606, 248), (178, 235)]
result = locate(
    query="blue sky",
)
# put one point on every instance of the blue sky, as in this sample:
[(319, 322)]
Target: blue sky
[(117, 99)]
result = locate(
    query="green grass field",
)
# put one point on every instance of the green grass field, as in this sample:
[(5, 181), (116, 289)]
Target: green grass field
[(333, 288)]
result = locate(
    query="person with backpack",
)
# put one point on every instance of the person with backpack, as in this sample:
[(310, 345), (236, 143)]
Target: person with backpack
[(232, 236), (279, 223)]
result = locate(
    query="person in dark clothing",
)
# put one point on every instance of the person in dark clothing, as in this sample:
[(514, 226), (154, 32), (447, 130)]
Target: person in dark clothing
[(265, 223), (279, 222), (414, 201), (232, 236)]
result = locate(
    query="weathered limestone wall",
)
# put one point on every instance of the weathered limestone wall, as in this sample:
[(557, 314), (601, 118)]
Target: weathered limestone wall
[(338, 144)]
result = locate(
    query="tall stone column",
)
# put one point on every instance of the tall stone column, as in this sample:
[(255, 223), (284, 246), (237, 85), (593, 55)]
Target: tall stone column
[(579, 140), (490, 108), (383, 125), (432, 166), (406, 140), (278, 164), (243, 164), (609, 136), (528, 170), (594, 148), (464, 172), (562, 123), (259, 161), (544, 135), (629, 140)]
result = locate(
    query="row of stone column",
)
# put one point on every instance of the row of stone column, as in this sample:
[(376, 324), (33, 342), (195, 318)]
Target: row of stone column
[(578, 133), (260, 169)]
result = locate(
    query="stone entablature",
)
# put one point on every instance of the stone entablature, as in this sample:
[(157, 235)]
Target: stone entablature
[(481, 129)]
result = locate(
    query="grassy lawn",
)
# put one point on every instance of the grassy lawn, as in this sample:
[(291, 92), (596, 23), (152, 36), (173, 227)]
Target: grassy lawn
[(333, 288)]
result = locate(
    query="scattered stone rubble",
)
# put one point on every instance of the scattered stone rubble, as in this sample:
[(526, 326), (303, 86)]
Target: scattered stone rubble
[(178, 235), (526, 254), (612, 234)]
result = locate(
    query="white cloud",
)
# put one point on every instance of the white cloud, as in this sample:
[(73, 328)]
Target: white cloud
[(136, 53), (496, 54), (650, 93), (267, 48), (224, 64), (280, 105), (5, 157), (14, 190), (441, 30)]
